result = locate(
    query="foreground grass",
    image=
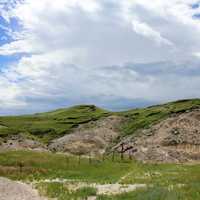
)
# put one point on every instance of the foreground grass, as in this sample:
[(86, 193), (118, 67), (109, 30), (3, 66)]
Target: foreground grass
[(60, 192), (36, 166), (164, 181), (189, 192), (155, 192)]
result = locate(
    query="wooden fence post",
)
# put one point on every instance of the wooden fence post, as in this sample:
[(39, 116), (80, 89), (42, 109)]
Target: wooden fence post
[(130, 154), (67, 160), (90, 159), (79, 159), (113, 156), (103, 157), (21, 165), (122, 151)]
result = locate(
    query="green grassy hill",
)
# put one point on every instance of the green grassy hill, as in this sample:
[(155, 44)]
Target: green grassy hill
[(49, 125)]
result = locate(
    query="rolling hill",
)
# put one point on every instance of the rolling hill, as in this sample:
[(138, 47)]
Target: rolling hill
[(87, 128)]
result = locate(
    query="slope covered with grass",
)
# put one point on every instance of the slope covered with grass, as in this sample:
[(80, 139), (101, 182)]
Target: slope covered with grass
[(50, 125), (144, 118)]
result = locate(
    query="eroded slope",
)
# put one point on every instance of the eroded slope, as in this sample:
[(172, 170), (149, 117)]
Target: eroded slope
[(175, 139), (92, 138)]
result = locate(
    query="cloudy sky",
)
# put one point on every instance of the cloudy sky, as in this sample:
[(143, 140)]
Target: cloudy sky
[(112, 53)]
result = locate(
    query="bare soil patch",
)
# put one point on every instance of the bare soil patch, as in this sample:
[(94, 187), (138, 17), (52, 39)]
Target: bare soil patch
[(12, 190), (93, 137)]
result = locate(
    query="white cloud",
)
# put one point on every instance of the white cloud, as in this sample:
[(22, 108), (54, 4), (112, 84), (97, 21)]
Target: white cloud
[(147, 31), (20, 46), (196, 54), (79, 49), (10, 94)]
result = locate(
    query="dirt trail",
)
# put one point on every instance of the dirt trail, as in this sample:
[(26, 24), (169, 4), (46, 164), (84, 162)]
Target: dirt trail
[(12, 190), (105, 189)]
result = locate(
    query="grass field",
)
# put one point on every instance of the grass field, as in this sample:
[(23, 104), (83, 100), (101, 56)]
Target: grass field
[(163, 181), (38, 166)]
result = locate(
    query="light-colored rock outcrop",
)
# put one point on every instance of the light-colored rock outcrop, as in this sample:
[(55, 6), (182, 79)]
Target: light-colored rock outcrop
[(12, 190), (90, 138), (176, 139)]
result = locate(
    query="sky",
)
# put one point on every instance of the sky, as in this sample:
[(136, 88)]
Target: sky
[(114, 54)]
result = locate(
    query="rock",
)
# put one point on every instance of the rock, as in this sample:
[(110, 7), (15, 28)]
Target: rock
[(12, 190), (20, 142)]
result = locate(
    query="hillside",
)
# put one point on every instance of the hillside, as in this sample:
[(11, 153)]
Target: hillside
[(144, 118), (50, 125), (88, 129)]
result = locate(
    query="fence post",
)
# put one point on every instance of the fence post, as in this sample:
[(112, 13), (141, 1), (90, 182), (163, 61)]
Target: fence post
[(113, 156), (130, 154), (21, 165), (103, 157), (90, 159), (67, 160), (122, 151), (79, 159)]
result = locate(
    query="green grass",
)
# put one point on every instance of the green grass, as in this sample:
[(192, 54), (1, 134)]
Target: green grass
[(151, 193), (60, 192), (47, 165), (188, 192), (50, 125), (164, 181)]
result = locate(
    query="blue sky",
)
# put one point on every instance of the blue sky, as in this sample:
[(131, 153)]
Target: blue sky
[(5, 38), (115, 54)]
